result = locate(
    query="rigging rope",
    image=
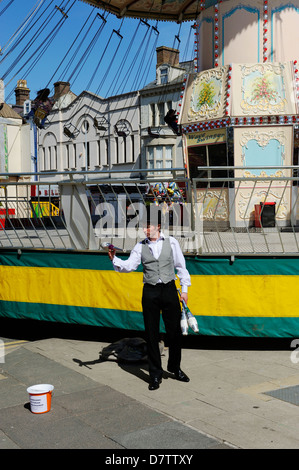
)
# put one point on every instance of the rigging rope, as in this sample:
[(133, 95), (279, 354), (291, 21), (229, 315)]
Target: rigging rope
[(30, 16), (85, 55), (133, 62), (70, 48), (49, 39), (110, 64), (88, 50), (28, 46), (5, 8), (121, 65)]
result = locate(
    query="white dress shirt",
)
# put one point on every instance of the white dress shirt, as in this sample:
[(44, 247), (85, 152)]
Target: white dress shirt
[(134, 260)]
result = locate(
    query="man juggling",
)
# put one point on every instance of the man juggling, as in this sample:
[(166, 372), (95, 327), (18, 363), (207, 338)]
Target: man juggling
[(160, 257)]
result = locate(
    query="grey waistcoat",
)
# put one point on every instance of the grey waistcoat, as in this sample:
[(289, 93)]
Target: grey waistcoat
[(161, 268)]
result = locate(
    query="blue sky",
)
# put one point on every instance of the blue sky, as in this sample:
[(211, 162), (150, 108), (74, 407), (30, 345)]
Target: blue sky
[(103, 54)]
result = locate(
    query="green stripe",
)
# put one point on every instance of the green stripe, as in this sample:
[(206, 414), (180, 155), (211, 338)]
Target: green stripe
[(259, 327), (209, 326), (196, 265), (73, 314), (54, 259), (243, 266)]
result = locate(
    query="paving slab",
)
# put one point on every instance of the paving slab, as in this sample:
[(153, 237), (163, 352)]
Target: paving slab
[(85, 413), (226, 399)]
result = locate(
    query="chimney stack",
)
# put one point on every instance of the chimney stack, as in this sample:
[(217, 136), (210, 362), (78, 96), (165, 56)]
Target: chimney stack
[(166, 55), (61, 89), (22, 92)]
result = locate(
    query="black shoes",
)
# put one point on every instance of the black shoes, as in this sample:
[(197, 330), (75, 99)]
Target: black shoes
[(154, 383), (180, 375)]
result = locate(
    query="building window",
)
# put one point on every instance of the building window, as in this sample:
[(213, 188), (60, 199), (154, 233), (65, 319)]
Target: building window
[(169, 105), (27, 107), (209, 155), (161, 110), (43, 159), (106, 161), (117, 149), (151, 159), (159, 157), (87, 154), (85, 127), (52, 158), (99, 153), (50, 167), (54, 153), (67, 156), (152, 119), (75, 156), (168, 156), (157, 112), (164, 75), (125, 150), (133, 148)]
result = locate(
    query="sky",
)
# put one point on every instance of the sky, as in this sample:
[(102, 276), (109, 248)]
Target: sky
[(90, 48)]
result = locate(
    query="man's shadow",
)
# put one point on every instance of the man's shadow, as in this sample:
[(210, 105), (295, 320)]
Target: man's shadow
[(139, 368)]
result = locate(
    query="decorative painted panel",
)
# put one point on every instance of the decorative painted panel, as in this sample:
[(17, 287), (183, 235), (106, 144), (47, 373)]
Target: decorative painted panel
[(263, 89), (215, 204), (264, 146), (206, 96)]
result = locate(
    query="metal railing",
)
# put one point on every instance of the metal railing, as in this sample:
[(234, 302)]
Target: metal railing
[(231, 211), (251, 211)]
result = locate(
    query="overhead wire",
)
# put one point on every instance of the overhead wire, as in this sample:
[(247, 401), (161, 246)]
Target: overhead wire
[(143, 76), (109, 67), (140, 75), (25, 24), (45, 44), (146, 70), (101, 58), (70, 48), (143, 61), (50, 39), (28, 46), (5, 8), (133, 62), (85, 55), (87, 51), (110, 91), (136, 81)]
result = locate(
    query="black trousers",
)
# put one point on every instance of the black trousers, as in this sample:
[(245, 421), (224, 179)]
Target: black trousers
[(156, 299)]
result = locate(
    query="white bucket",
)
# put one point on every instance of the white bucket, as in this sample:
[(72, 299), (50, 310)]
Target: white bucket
[(40, 397)]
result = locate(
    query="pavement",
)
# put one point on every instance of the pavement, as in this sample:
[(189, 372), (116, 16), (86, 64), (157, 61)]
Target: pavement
[(243, 394)]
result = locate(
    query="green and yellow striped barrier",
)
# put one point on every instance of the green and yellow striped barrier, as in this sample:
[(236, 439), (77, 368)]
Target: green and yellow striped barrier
[(249, 297)]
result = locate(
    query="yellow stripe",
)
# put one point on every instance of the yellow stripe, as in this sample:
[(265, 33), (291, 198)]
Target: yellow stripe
[(11, 346), (81, 287), (239, 296), (244, 296), (14, 343)]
